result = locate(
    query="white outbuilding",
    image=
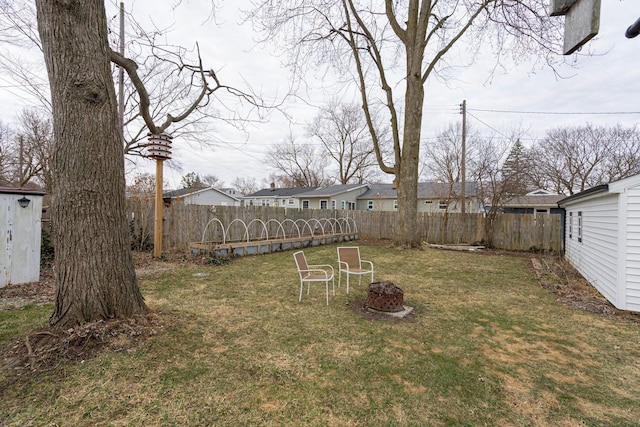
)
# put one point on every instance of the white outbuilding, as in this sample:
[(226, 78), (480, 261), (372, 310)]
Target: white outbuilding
[(20, 227), (602, 239)]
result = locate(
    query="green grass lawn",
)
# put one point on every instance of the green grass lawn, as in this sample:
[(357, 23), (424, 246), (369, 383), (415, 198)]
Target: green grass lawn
[(486, 346)]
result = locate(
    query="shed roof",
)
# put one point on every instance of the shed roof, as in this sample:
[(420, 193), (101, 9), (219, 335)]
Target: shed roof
[(529, 201), (612, 187), (21, 190), (186, 191)]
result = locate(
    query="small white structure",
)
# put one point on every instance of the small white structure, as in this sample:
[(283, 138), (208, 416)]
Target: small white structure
[(20, 225), (602, 239), (207, 196)]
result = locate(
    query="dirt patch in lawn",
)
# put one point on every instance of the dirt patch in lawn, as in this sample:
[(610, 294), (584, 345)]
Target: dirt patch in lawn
[(556, 275), (13, 297), (46, 349)]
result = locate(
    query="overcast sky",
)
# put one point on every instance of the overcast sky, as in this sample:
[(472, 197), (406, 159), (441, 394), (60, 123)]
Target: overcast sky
[(606, 82)]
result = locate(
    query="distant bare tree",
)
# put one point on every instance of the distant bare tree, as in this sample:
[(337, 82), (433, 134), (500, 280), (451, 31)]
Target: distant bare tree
[(342, 130), (572, 159), (19, 34), (143, 186), (442, 158), (5, 157), (487, 174), (25, 152), (212, 181), (245, 185), (279, 180), (34, 142), (302, 163)]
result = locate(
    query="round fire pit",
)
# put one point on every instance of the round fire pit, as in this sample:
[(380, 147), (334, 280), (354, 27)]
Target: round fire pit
[(385, 296)]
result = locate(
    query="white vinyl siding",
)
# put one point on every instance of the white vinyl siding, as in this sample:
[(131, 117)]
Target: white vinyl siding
[(596, 256), (632, 259)]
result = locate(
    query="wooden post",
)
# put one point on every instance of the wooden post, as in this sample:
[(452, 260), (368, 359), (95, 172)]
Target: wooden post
[(157, 229), (463, 160), (159, 149)]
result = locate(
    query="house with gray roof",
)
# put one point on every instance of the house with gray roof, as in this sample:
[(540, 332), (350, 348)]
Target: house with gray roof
[(536, 202), (279, 197), (207, 196), (342, 197), (432, 197)]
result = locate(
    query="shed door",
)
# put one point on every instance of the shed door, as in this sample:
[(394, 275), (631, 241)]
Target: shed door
[(6, 238)]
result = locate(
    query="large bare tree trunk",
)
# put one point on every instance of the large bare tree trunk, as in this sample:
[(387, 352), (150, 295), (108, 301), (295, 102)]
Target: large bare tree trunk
[(407, 169), (95, 276)]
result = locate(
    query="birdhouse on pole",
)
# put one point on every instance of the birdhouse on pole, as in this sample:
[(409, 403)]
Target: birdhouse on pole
[(159, 146)]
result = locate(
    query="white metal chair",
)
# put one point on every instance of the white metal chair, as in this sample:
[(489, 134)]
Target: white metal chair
[(349, 262), (313, 273)]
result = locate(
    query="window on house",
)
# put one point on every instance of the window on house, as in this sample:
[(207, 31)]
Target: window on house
[(579, 226), (442, 205), (290, 201), (370, 205), (352, 206), (343, 204), (283, 202), (323, 204), (305, 204), (333, 204), (395, 204), (571, 225)]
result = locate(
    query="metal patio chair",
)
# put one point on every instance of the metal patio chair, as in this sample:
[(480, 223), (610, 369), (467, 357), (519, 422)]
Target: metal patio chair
[(349, 262), (313, 273)]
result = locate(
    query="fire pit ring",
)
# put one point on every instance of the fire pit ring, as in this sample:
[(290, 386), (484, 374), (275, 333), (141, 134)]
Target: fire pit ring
[(385, 296)]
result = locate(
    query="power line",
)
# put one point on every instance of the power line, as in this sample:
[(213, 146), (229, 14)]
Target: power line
[(559, 113), (487, 125)]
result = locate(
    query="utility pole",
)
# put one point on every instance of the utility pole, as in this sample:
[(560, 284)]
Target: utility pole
[(463, 160)]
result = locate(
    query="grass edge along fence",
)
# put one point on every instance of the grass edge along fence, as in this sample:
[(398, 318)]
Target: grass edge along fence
[(185, 223)]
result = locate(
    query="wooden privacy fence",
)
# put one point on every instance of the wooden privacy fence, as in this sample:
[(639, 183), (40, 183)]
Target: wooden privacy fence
[(186, 223)]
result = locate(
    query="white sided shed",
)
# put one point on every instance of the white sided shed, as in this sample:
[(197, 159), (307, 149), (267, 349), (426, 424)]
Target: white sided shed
[(20, 227), (602, 239)]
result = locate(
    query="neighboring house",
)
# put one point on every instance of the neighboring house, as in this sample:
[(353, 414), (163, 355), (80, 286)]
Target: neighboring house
[(343, 197), (232, 192), (279, 197), (208, 196), (602, 239), (432, 197), (535, 202)]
